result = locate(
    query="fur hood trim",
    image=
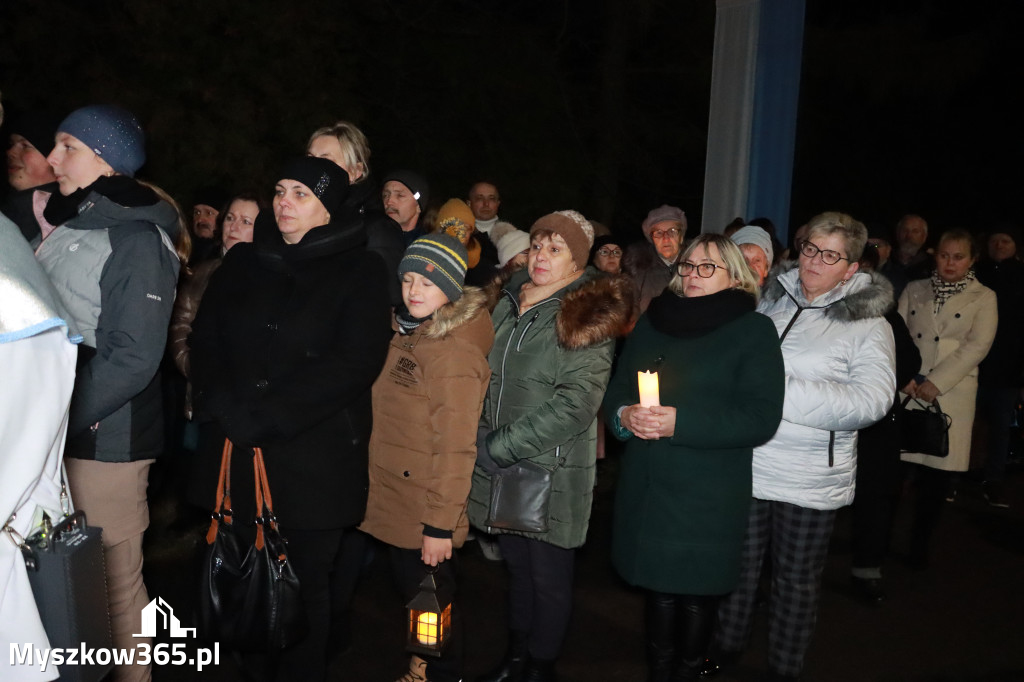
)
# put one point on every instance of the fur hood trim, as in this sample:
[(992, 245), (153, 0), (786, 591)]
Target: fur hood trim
[(594, 308), (867, 294), (595, 312), (451, 316)]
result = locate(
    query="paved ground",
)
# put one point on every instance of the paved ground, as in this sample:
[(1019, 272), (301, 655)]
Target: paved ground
[(960, 621)]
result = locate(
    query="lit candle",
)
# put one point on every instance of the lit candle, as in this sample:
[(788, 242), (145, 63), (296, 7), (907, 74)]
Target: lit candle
[(648, 383), (426, 628)]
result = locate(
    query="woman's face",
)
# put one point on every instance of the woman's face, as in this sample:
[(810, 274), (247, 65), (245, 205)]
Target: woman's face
[(329, 147), (297, 210), (608, 258), (26, 165), (550, 260), (816, 276), (953, 260), (75, 164), (1001, 247), (422, 297), (520, 259), (238, 222), (694, 285)]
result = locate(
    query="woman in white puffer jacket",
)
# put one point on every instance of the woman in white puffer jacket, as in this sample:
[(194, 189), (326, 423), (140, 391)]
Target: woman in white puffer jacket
[(839, 357)]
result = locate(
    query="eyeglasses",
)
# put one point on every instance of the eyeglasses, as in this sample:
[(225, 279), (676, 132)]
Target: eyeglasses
[(609, 252), (828, 257), (704, 270), (672, 232)]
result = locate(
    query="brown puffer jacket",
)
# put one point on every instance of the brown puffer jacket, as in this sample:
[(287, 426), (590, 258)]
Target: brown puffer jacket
[(426, 406)]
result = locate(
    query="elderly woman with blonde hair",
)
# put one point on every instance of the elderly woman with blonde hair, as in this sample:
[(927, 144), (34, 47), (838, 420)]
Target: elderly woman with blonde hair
[(839, 359)]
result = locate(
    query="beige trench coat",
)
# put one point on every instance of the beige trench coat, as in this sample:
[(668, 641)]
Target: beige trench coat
[(952, 344)]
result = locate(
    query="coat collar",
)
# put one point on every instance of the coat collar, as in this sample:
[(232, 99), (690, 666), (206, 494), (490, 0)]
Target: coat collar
[(343, 233), (864, 296), (592, 309)]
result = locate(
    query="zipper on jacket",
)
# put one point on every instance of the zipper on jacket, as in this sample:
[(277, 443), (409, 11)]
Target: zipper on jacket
[(792, 321), (501, 386), (831, 448), (526, 329)]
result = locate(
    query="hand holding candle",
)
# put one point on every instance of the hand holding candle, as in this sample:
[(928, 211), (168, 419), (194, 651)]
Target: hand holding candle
[(648, 384)]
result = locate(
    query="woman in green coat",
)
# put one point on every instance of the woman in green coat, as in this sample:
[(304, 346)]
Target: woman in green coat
[(554, 325), (685, 484)]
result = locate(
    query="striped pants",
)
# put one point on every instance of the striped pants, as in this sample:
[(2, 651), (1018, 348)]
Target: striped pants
[(797, 538)]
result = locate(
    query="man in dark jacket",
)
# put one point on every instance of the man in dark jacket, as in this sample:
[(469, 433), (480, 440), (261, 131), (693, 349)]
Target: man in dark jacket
[(405, 194)]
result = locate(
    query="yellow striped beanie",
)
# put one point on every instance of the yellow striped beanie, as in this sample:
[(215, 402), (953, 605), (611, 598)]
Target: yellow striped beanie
[(439, 257)]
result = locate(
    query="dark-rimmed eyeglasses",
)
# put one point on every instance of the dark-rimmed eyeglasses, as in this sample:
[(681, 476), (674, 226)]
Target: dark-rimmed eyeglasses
[(615, 253), (704, 270), (828, 257)]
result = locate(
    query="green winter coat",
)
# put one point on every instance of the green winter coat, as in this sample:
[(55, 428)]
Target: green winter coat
[(682, 502), (549, 371)]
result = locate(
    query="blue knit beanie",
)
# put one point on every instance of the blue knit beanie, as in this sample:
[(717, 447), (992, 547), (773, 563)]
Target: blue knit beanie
[(113, 133)]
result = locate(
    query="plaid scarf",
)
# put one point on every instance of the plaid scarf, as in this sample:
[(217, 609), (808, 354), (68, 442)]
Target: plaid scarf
[(944, 290)]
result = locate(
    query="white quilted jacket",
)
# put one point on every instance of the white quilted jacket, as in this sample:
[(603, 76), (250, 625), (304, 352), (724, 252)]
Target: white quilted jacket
[(840, 377)]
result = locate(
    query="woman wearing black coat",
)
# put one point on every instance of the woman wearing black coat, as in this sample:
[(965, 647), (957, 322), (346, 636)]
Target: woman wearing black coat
[(291, 333), (879, 472)]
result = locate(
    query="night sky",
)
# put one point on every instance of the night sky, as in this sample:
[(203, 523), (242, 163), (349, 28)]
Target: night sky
[(906, 106)]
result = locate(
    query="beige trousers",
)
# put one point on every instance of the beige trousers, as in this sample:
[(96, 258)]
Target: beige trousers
[(113, 497)]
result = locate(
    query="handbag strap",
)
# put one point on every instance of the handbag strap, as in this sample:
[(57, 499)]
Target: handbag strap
[(264, 503), (222, 507)]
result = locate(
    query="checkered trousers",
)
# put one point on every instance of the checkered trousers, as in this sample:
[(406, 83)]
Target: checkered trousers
[(797, 539)]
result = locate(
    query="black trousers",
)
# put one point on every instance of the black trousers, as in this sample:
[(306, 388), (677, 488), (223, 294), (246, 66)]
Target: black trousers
[(930, 489), (872, 527), (327, 563), (539, 592), (409, 570)]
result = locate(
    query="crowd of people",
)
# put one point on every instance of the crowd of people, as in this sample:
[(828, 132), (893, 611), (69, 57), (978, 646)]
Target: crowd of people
[(394, 357)]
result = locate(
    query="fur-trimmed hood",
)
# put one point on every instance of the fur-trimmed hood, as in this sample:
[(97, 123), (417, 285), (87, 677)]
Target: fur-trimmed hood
[(594, 308), (864, 296), (451, 316)]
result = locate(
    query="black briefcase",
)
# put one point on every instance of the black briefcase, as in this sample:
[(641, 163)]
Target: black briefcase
[(66, 571)]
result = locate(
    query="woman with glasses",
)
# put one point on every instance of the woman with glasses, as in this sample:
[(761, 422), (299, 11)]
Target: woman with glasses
[(839, 358), (606, 254), (651, 264), (684, 487), (952, 319)]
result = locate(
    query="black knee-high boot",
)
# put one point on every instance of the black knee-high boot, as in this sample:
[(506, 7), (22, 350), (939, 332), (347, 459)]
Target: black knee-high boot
[(694, 626), (539, 670), (513, 665), (661, 644)]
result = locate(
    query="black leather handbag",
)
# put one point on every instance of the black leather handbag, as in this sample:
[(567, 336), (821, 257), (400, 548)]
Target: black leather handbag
[(250, 598), (520, 496), (924, 429)]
